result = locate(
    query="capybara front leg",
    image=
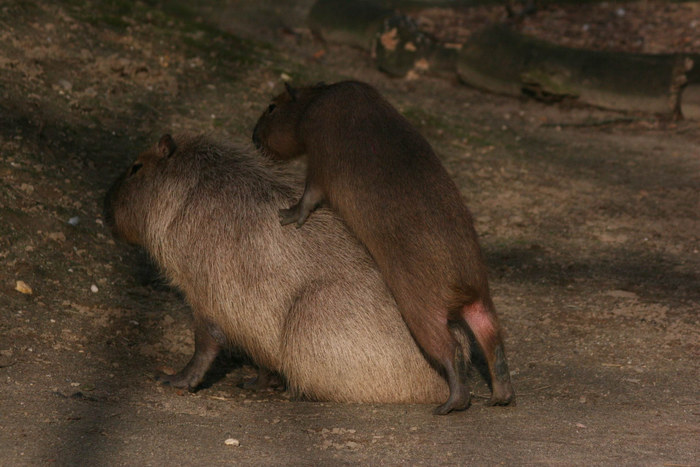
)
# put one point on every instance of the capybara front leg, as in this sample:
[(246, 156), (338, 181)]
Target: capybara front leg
[(207, 344), (482, 322), (310, 200)]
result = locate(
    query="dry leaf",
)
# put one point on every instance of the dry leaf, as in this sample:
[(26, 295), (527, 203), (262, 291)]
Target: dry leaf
[(22, 287)]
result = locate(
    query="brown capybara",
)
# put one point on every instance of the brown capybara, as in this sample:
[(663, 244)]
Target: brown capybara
[(309, 304), (383, 178)]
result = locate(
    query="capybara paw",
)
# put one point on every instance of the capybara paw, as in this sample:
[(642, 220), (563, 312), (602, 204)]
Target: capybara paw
[(288, 216), (176, 381), (502, 394), (500, 401), (453, 404)]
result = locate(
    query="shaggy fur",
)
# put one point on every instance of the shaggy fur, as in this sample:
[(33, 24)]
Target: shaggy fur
[(372, 167), (307, 303)]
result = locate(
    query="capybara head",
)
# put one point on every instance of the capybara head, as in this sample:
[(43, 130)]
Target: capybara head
[(126, 205), (277, 130)]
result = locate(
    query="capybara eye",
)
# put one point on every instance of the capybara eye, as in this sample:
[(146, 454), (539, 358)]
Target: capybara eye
[(271, 107), (135, 168)]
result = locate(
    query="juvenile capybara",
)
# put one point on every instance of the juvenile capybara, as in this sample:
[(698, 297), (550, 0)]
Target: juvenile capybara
[(309, 304), (370, 165)]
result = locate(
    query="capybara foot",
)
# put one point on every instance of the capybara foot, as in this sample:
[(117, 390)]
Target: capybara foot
[(502, 394), (178, 380), (456, 402), (310, 200), (290, 216)]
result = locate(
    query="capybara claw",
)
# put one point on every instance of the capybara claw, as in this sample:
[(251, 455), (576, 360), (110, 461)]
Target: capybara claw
[(502, 402), (453, 404)]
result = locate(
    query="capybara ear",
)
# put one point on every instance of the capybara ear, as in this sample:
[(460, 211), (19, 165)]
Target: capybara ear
[(290, 90), (166, 146)]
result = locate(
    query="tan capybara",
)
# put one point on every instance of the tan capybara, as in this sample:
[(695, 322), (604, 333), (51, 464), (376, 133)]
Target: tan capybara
[(371, 166), (309, 304)]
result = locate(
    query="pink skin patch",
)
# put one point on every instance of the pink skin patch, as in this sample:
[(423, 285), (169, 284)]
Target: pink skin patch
[(481, 323)]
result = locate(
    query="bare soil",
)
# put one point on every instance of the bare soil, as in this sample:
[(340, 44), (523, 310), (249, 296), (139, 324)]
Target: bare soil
[(590, 221)]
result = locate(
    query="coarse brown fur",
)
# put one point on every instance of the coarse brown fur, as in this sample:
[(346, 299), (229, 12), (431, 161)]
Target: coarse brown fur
[(370, 165), (308, 303)]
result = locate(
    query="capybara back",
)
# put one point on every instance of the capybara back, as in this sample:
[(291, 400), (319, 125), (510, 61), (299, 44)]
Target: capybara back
[(368, 163), (307, 303)]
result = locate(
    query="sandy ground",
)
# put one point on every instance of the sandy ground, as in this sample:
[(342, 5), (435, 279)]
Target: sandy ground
[(589, 219)]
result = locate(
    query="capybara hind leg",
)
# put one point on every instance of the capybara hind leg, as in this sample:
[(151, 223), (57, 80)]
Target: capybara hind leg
[(501, 388), (460, 397), (441, 345), (310, 200), (485, 328), (207, 343)]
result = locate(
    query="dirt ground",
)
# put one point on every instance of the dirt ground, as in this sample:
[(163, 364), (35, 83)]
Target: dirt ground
[(590, 221), (650, 26)]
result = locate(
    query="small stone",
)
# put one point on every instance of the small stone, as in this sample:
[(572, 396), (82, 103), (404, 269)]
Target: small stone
[(232, 442), (65, 84), (74, 220), (57, 236), (94, 289)]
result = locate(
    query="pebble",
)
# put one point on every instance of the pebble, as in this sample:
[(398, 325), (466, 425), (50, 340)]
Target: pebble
[(232, 442), (57, 236), (65, 84), (74, 220), (94, 288)]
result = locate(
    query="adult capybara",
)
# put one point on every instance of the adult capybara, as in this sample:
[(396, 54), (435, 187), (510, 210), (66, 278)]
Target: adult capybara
[(383, 178), (309, 304)]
